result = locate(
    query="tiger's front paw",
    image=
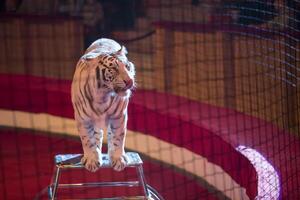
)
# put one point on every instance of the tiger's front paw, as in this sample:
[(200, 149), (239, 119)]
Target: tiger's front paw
[(119, 163), (92, 160)]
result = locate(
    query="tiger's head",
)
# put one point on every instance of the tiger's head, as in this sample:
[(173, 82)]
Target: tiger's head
[(115, 73)]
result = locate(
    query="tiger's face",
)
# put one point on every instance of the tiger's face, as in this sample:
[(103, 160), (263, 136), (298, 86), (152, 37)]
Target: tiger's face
[(116, 75)]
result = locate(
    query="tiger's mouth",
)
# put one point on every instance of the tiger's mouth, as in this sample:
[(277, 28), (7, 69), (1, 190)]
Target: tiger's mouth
[(122, 92), (128, 86), (118, 89)]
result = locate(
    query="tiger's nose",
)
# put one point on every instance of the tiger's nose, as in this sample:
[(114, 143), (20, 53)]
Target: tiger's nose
[(128, 83)]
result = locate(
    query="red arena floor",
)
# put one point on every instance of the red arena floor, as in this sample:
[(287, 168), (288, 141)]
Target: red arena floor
[(218, 134)]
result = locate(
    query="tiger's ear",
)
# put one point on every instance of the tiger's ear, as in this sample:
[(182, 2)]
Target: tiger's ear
[(121, 52)]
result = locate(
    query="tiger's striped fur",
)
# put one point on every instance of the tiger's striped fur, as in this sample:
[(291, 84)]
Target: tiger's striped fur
[(100, 93)]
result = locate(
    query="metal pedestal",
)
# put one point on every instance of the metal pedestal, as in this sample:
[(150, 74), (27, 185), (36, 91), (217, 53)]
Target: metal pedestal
[(72, 161)]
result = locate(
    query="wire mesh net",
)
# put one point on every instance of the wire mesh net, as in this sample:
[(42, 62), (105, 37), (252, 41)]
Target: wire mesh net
[(215, 114)]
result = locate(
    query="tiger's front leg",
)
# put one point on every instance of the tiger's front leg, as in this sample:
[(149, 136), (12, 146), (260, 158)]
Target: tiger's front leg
[(91, 139), (116, 142)]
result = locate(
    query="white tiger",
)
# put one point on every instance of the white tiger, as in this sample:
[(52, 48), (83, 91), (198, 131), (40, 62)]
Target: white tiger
[(100, 93)]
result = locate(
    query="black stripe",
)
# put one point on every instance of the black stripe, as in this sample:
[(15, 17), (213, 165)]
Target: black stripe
[(83, 109), (88, 95), (87, 89), (103, 74), (111, 101), (118, 116), (80, 63), (117, 106), (105, 65), (80, 91), (77, 111), (117, 63), (121, 113), (98, 77), (79, 101)]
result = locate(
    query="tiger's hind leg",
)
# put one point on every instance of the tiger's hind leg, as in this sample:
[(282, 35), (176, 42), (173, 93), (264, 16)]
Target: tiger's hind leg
[(91, 139)]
